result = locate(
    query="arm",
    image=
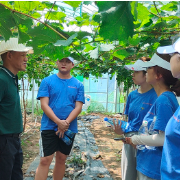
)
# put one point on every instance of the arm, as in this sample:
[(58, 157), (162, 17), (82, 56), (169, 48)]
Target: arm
[(3, 86), (62, 124), (149, 140), (75, 112)]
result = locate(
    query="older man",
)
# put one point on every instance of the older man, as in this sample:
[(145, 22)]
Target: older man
[(13, 56)]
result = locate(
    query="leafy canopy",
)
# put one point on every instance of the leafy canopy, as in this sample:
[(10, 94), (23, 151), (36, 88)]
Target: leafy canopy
[(121, 32)]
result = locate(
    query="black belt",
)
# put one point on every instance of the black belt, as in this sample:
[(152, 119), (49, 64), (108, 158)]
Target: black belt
[(15, 135)]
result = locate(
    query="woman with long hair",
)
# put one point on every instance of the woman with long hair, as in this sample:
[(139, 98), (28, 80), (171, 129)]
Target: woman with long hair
[(138, 103), (170, 164), (165, 85)]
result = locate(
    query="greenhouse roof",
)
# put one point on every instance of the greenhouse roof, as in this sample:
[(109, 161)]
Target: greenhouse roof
[(90, 9)]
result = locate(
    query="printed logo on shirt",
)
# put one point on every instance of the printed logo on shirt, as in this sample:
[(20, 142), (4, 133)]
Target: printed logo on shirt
[(72, 87), (177, 119), (147, 103), (151, 113)]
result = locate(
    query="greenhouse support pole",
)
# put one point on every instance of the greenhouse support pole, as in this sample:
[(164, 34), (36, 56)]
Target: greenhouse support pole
[(32, 98), (81, 9), (107, 94), (119, 87), (115, 94)]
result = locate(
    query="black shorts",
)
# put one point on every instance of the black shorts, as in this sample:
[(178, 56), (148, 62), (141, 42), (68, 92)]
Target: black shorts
[(50, 143)]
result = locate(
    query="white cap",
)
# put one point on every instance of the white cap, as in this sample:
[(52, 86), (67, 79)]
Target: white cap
[(157, 61), (71, 59), (137, 66), (170, 49), (12, 45)]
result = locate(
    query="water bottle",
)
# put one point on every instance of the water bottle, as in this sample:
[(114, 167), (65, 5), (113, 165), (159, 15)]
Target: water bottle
[(124, 124), (151, 132), (143, 130), (68, 135), (109, 121)]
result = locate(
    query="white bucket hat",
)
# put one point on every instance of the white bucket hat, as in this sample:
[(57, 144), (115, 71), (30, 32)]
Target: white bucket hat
[(157, 61), (170, 49), (12, 45), (137, 66)]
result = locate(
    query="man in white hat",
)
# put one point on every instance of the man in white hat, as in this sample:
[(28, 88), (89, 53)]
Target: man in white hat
[(13, 56), (62, 97)]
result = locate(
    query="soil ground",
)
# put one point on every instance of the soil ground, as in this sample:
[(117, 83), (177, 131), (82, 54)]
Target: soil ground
[(110, 150)]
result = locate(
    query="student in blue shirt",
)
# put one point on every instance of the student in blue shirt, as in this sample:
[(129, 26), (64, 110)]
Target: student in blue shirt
[(62, 97), (170, 163), (138, 103), (159, 75)]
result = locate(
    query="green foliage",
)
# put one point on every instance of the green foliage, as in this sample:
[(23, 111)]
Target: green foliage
[(117, 20), (83, 113), (23, 143), (122, 98), (38, 68), (108, 113), (133, 29), (76, 160), (37, 107), (95, 106)]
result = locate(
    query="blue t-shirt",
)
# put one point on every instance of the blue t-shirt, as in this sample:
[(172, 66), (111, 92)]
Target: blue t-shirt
[(170, 163), (137, 106), (63, 94), (148, 160)]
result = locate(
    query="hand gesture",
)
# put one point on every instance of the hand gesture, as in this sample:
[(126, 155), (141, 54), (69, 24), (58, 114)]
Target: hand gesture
[(117, 128), (60, 133), (63, 125)]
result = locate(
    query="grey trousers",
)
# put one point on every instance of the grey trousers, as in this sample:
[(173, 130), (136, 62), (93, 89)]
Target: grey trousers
[(128, 163), (143, 177)]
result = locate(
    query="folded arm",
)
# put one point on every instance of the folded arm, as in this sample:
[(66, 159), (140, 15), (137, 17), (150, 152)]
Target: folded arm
[(62, 124), (76, 111)]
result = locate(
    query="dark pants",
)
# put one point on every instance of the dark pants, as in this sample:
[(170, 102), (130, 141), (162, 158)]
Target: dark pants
[(11, 158)]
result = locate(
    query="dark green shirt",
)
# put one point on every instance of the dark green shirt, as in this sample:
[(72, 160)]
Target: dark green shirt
[(10, 110)]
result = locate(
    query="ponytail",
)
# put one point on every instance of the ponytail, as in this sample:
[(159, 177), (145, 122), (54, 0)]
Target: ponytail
[(176, 88), (169, 80)]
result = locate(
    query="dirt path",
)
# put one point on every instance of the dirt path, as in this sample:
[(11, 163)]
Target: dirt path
[(110, 150)]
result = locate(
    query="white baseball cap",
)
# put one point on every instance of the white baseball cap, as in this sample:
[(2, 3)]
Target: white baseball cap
[(137, 66), (157, 61), (12, 45), (170, 49), (70, 58)]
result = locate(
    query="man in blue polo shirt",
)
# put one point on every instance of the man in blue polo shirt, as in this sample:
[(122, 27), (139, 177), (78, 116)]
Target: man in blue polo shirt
[(13, 56), (62, 97)]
